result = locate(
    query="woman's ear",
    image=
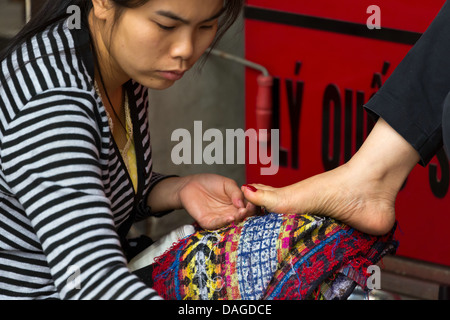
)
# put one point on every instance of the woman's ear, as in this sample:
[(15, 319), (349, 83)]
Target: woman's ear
[(102, 9)]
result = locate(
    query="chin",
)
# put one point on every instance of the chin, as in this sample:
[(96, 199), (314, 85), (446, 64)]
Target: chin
[(156, 84), (161, 87)]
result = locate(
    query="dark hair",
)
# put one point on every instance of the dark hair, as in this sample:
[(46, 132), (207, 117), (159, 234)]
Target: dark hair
[(53, 11)]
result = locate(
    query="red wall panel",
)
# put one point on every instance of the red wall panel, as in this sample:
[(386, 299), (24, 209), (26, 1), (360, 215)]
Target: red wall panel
[(325, 50)]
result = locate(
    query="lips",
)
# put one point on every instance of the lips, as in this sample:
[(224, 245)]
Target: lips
[(172, 75)]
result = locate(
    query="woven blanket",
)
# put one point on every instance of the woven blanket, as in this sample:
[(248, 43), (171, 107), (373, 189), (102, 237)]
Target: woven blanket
[(271, 256)]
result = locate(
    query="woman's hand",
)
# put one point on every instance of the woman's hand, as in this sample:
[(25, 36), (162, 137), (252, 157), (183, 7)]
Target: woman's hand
[(214, 201)]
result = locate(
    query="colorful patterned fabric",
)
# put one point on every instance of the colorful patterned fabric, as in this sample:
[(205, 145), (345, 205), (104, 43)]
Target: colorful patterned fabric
[(271, 256)]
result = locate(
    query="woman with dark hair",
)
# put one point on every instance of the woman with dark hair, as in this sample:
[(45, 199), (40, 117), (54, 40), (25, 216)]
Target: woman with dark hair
[(76, 170), (66, 184)]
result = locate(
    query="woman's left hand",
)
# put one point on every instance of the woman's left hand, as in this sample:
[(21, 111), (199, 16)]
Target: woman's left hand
[(214, 201)]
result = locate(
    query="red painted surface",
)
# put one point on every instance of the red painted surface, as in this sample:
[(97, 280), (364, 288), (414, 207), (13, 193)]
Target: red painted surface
[(327, 65)]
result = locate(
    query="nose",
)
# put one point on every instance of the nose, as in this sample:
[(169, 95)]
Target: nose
[(183, 47)]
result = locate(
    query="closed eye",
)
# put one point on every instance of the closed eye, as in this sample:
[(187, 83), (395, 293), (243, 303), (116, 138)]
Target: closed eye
[(163, 27)]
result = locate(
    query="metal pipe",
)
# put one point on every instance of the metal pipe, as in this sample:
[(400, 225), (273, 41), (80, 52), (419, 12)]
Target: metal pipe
[(263, 96), (27, 10), (240, 60)]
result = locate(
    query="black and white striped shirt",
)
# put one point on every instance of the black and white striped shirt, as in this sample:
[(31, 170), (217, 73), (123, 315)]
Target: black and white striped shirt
[(65, 193)]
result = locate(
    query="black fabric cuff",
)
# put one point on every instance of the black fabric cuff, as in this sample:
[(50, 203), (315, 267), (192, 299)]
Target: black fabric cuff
[(426, 144)]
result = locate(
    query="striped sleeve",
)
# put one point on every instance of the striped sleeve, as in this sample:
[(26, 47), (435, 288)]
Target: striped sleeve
[(52, 160)]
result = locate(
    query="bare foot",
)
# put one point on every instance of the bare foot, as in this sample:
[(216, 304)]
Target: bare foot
[(368, 206)]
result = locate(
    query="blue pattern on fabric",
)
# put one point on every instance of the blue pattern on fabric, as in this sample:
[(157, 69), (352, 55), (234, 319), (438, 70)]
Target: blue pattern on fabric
[(293, 272), (257, 255)]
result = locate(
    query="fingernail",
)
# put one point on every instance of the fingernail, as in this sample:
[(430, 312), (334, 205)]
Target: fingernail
[(251, 188)]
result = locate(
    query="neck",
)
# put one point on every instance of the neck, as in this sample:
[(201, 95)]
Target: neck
[(112, 77), (108, 76), (109, 81)]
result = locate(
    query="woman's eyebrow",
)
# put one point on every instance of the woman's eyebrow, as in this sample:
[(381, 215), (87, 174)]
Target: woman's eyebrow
[(214, 17), (173, 16)]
